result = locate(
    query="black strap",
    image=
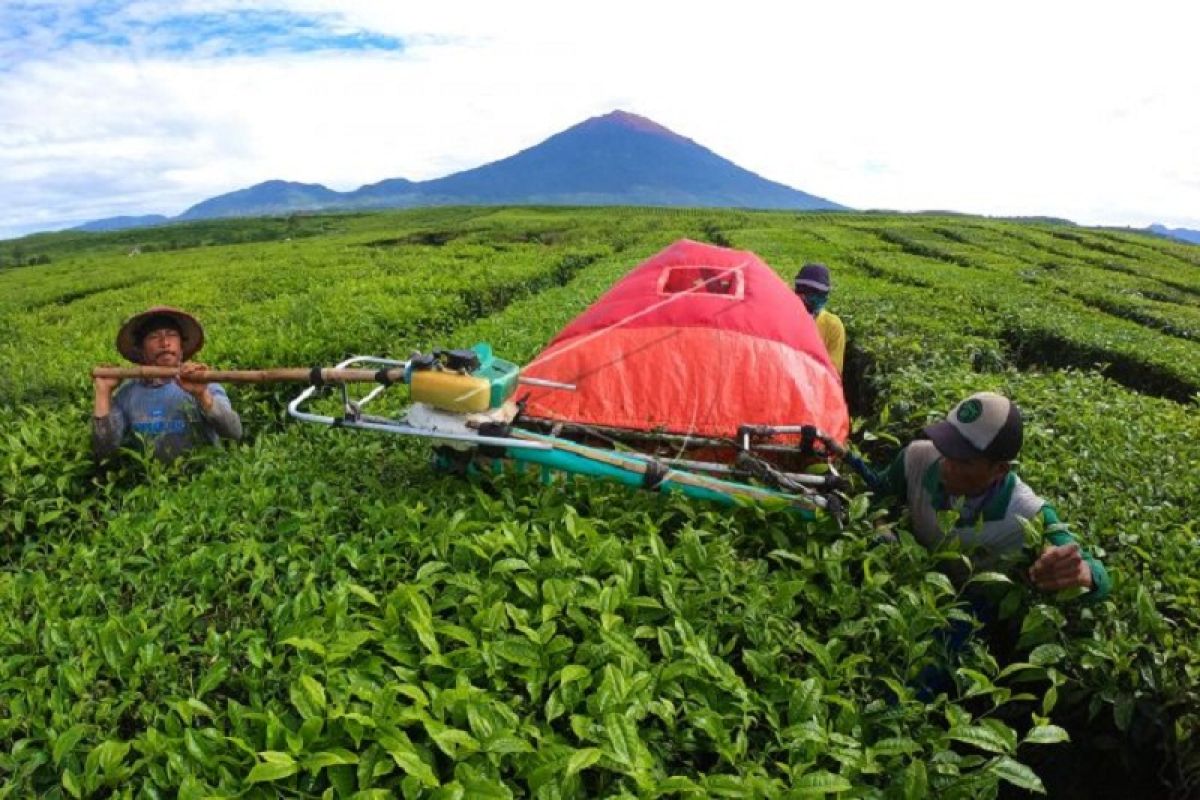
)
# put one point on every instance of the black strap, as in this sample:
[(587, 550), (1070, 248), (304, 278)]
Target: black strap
[(836, 483), (498, 430), (808, 437), (314, 377), (654, 475), (384, 376)]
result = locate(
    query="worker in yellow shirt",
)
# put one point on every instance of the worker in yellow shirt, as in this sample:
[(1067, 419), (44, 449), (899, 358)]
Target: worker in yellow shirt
[(813, 285)]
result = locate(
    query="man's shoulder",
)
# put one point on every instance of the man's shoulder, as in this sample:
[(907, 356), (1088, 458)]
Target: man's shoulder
[(1024, 500), (829, 318), (921, 452)]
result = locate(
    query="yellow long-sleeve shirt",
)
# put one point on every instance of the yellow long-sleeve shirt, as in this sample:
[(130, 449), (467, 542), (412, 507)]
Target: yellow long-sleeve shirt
[(833, 333)]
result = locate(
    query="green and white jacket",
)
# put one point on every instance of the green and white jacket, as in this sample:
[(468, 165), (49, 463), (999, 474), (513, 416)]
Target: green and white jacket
[(990, 527)]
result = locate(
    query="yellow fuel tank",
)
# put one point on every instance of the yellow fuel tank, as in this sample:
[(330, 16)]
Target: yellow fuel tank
[(450, 391)]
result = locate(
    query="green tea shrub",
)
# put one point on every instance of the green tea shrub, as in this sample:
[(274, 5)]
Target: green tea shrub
[(318, 614)]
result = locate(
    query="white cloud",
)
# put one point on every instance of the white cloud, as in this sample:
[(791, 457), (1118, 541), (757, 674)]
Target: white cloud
[(1069, 109)]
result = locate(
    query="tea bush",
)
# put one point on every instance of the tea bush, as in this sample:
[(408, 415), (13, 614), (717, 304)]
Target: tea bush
[(312, 613)]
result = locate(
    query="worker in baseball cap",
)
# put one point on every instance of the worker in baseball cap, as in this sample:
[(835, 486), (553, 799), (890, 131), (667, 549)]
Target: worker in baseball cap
[(965, 465), (175, 414), (813, 285)]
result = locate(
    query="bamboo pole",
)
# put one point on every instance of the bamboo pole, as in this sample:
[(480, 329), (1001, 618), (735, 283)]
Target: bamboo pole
[(285, 375), (278, 375)]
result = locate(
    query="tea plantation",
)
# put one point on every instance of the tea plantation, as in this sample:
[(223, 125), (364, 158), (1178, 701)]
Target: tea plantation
[(315, 613)]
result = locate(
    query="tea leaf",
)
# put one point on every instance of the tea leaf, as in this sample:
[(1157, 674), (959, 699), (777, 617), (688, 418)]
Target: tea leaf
[(582, 759), (66, 741), (821, 783), (329, 758), (1018, 774), (1046, 734)]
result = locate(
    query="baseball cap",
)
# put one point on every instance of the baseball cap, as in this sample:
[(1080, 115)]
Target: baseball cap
[(985, 425), (813, 277)]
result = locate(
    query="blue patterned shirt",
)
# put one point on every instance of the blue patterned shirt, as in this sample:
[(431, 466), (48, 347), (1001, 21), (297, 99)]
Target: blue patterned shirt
[(168, 415)]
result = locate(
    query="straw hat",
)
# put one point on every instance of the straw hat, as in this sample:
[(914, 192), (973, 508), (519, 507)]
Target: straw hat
[(129, 338)]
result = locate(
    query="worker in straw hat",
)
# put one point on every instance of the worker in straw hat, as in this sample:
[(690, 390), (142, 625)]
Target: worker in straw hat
[(175, 413), (813, 284), (965, 467)]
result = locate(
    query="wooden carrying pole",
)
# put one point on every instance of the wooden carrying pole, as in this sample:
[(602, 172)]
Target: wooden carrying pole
[(281, 375), (314, 375)]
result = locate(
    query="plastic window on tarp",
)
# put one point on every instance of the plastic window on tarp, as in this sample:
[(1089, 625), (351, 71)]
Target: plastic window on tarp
[(724, 282)]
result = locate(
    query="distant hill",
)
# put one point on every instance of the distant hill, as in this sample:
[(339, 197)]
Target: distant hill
[(615, 159), (122, 223), (389, 193), (1182, 234), (265, 199)]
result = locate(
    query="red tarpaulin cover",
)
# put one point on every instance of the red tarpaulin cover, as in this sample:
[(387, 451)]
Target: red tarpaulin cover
[(697, 340)]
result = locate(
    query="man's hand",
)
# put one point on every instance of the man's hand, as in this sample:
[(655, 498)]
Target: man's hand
[(195, 388), (104, 388), (1060, 567)]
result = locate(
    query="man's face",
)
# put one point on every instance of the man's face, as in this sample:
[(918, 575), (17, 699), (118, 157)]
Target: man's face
[(971, 477), (162, 347)]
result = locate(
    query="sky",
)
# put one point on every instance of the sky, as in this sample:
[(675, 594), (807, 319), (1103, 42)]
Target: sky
[(1088, 111)]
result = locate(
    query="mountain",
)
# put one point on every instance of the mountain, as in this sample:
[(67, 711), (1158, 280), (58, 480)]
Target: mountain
[(122, 223), (615, 159), (389, 193), (1182, 234), (265, 199), (619, 159)]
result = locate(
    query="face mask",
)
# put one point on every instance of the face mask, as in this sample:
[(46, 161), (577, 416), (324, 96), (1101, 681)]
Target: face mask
[(814, 302)]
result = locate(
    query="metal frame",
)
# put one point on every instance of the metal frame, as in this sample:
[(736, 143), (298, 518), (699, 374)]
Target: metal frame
[(744, 442), (354, 417), (800, 487)]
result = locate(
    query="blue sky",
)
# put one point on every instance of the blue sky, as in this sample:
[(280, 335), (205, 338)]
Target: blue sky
[(1080, 110), (33, 31)]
